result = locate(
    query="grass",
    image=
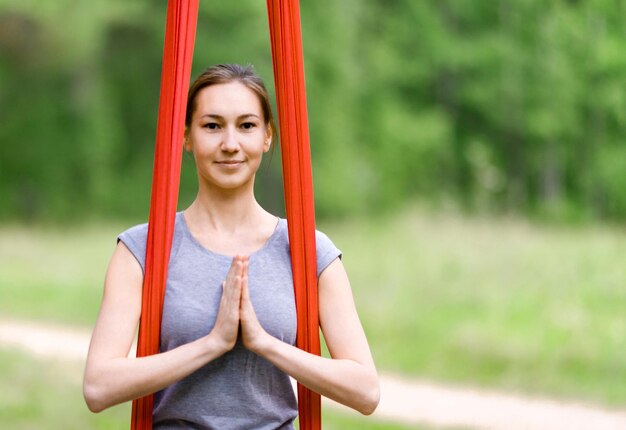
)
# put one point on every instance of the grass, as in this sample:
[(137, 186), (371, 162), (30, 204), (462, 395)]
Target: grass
[(495, 302), (54, 274), (36, 394), (332, 420)]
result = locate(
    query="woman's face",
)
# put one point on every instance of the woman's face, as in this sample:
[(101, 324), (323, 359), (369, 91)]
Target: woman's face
[(227, 135)]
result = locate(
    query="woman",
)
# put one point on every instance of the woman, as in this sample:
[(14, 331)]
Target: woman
[(229, 324)]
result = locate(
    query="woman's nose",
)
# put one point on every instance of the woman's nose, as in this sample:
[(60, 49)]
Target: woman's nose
[(230, 143)]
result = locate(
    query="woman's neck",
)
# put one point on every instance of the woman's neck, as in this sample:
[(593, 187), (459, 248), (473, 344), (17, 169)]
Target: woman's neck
[(229, 223), (226, 210)]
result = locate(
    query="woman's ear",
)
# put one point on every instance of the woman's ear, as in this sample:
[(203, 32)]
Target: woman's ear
[(186, 141), (268, 139)]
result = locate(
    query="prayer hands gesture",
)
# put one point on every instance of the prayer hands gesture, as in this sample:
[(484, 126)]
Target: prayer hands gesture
[(236, 310)]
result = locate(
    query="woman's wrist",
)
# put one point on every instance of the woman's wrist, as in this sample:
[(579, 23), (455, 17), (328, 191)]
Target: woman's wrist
[(216, 346), (262, 343)]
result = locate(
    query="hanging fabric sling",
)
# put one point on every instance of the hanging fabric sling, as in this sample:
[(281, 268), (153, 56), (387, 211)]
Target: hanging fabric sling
[(180, 31), (285, 34), (286, 40)]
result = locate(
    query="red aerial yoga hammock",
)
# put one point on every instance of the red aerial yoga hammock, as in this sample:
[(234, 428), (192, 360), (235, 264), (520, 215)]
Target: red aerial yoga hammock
[(285, 32)]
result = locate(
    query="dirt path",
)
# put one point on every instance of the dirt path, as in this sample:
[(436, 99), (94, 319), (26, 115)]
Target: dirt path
[(405, 401)]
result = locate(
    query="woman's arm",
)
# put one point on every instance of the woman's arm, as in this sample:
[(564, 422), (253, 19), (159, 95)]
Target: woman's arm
[(111, 377), (350, 377)]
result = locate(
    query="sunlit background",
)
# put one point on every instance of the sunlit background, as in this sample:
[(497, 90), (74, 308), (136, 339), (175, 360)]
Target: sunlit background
[(469, 158)]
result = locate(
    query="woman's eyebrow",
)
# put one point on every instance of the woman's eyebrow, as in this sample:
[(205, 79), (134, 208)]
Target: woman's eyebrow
[(243, 116), (247, 115)]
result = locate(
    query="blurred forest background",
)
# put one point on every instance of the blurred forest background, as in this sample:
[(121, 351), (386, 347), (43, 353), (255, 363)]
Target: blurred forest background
[(487, 106)]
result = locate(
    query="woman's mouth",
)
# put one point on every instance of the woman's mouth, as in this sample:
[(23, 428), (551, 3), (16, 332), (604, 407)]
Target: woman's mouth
[(229, 163)]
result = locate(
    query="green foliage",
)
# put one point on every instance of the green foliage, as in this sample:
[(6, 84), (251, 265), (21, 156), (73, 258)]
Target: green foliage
[(518, 106), (609, 168)]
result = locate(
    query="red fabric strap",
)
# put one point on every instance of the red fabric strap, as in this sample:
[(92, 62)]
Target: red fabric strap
[(180, 33), (288, 61)]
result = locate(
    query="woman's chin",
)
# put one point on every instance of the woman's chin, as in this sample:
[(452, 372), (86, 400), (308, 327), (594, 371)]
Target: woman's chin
[(230, 183)]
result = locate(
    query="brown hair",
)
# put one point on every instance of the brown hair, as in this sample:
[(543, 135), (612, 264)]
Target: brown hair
[(224, 74)]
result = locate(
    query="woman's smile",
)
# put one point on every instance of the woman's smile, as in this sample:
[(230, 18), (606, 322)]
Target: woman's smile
[(230, 164)]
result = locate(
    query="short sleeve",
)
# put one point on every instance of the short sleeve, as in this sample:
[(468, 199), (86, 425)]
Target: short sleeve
[(326, 251), (135, 239)]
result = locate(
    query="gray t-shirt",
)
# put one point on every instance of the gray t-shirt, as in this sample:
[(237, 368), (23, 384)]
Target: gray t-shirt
[(238, 390)]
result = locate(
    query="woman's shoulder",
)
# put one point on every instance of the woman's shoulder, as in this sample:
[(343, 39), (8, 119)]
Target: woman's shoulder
[(136, 237), (325, 249), (139, 232), (136, 232), (283, 226)]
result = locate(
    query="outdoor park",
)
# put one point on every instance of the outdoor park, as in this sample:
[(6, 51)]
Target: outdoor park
[(469, 160)]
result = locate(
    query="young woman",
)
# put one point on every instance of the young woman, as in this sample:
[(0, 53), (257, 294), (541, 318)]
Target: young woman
[(229, 322)]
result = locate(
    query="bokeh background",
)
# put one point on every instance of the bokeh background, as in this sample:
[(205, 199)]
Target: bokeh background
[(469, 158)]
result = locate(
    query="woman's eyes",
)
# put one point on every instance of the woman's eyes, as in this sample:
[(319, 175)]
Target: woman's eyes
[(243, 125)]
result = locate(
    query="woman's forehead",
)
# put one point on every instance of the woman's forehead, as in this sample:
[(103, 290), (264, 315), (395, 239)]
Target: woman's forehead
[(231, 99)]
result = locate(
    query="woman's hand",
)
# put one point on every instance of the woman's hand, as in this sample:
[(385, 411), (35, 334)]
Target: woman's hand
[(227, 323), (252, 333)]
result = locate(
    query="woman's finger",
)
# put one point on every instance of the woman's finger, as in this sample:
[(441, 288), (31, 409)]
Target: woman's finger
[(235, 268), (245, 292)]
